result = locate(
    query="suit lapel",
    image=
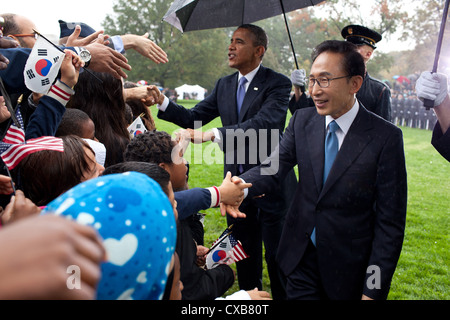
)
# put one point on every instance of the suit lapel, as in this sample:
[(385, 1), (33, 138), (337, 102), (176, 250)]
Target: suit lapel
[(254, 88), (315, 137), (231, 105), (358, 137)]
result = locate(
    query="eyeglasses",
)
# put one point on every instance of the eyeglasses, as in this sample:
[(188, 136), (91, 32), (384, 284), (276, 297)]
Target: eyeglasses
[(323, 82), (34, 35)]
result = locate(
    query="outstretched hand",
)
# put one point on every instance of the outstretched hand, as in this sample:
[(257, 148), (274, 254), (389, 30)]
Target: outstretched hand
[(74, 39), (146, 47), (105, 59)]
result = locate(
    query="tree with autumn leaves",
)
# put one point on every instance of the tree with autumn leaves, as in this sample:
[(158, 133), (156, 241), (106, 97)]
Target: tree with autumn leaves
[(200, 57)]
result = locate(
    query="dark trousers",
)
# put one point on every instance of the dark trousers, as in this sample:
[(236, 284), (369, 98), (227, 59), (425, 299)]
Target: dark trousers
[(256, 228), (304, 282)]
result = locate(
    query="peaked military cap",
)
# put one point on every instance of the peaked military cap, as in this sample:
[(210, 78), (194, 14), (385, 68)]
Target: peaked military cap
[(361, 35)]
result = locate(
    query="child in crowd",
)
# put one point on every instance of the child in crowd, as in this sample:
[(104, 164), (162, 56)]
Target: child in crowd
[(136, 222), (77, 122), (198, 283), (46, 174)]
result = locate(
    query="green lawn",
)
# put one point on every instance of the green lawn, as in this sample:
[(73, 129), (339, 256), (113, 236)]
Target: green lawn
[(423, 268)]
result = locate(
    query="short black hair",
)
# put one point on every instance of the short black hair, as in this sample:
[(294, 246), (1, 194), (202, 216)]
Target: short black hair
[(150, 146), (71, 122), (353, 62), (260, 36), (152, 170)]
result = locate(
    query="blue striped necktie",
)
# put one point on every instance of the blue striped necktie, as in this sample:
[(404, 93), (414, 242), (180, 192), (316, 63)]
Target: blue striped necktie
[(331, 150), (240, 93), (239, 99)]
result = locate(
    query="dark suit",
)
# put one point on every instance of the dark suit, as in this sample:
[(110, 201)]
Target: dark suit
[(359, 214), (264, 107)]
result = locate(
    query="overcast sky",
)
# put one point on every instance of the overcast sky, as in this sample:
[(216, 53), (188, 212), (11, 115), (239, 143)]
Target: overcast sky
[(46, 13)]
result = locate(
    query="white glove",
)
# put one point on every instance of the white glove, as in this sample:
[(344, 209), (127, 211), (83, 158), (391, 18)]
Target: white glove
[(298, 77), (432, 86)]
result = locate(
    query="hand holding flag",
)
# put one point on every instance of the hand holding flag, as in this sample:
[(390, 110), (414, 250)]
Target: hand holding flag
[(225, 250), (137, 127), (42, 65)]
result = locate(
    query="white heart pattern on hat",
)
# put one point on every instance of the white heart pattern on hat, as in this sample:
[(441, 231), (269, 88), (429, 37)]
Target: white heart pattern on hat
[(121, 251)]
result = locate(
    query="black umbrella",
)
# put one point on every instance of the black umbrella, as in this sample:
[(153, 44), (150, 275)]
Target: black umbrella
[(428, 104), (190, 15)]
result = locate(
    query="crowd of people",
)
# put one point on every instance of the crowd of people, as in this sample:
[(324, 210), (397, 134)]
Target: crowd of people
[(80, 194)]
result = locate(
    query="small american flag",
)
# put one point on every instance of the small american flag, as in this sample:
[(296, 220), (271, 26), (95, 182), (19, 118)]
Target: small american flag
[(14, 148), (225, 250), (15, 135), (238, 251)]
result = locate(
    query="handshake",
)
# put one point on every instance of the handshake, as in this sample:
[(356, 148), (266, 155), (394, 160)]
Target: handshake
[(232, 193)]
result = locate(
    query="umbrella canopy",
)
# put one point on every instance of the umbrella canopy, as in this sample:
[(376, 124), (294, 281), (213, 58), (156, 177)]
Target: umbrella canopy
[(189, 15)]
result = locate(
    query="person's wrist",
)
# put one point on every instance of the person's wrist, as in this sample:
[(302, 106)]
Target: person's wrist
[(218, 199), (161, 99), (208, 136)]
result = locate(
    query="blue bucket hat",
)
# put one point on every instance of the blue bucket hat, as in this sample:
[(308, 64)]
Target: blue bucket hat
[(135, 220)]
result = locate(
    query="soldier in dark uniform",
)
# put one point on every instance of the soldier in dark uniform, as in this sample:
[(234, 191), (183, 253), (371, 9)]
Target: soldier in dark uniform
[(374, 94)]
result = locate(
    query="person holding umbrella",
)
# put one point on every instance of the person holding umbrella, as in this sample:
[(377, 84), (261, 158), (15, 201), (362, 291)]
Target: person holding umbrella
[(252, 104), (374, 94), (433, 86)]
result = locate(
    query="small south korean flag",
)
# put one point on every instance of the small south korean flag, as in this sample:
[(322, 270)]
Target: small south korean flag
[(42, 66), (136, 128)]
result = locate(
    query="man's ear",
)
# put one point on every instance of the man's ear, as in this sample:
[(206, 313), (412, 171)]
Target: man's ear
[(260, 51), (356, 82), (14, 38)]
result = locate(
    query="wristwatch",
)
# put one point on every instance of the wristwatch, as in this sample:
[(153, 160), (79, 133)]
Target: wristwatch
[(85, 55)]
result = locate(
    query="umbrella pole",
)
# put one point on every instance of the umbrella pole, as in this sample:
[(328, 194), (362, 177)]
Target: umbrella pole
[(289, 33), (428, 104), (290, 39)]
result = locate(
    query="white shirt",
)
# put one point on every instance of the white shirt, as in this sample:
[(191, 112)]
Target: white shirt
[(345, 121), (249, 77)]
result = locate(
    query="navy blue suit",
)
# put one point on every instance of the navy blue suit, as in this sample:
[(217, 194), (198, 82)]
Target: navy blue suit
[(263, 115), (359, 213)]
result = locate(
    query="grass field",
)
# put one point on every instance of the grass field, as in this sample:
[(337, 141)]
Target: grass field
[(423, 269)]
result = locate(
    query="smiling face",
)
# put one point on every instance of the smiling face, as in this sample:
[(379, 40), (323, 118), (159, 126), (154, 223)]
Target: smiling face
[(339, 97), (95, 169), (242, 52)]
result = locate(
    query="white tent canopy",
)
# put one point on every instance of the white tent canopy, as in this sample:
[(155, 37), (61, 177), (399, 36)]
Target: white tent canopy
[(191, 92)]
